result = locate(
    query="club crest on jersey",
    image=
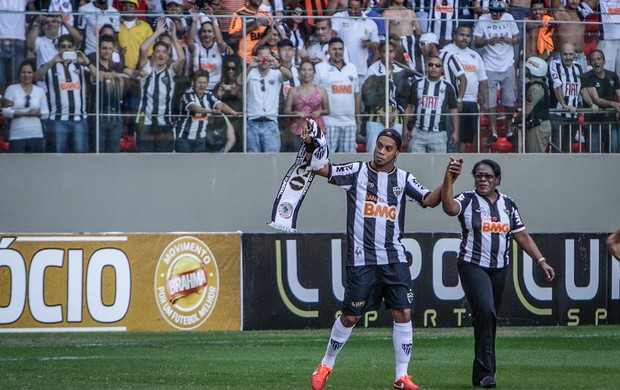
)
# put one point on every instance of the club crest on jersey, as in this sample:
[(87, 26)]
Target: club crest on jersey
[(397, 190)]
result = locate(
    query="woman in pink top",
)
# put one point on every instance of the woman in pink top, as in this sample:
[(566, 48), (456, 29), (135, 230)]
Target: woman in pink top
[(307, 100)]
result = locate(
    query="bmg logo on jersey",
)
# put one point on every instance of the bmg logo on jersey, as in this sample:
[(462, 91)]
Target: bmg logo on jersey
[(495, 227), (380, 210)]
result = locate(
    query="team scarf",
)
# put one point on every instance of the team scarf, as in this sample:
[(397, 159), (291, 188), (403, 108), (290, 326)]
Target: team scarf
[(298, 179)]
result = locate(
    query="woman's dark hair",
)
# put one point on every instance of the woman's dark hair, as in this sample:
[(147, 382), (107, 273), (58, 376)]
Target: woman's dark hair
[(497, 170), (225, 77), (28, 62)]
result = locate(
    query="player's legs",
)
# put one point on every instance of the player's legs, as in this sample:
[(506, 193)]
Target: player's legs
[(398, 296), (360, 296)]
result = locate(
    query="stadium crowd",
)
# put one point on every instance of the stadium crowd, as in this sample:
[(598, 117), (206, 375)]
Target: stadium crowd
[(214, 76)]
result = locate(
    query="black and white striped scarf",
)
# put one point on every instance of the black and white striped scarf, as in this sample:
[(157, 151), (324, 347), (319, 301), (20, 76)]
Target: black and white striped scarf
[(297, 181)]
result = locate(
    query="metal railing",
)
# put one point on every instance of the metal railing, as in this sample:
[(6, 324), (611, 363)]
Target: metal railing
[(519, 145)]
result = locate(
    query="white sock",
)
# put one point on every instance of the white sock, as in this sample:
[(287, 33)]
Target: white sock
[(402, 337), (340, 335)]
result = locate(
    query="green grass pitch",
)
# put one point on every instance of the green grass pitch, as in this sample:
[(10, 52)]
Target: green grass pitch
[(584, 357)]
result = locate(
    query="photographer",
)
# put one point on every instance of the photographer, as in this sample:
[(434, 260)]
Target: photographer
[(265, 78), (64, 78)]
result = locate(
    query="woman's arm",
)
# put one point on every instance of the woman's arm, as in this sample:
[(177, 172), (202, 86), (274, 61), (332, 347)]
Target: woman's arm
[(230, 135), (526, 242)]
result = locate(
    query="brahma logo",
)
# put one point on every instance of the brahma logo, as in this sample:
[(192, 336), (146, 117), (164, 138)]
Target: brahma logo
[(186, 283), (495, 227), (378, 210)]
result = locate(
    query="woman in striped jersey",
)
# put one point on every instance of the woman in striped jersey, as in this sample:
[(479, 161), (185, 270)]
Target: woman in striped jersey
[(489, 220)]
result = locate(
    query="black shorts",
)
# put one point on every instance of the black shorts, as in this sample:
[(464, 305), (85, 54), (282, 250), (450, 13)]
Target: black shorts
[(367, 285), (468, 126)]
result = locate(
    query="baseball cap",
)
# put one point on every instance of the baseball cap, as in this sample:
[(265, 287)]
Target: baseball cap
[(134, 2), (393, 134), (179, 2), (429, 38), (285, 42)]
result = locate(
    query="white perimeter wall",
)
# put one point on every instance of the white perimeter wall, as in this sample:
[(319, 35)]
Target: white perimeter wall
[(218, 192)]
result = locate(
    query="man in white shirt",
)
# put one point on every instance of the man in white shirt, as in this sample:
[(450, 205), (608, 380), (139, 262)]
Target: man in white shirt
[(610, 36), (496, 33), (264, 79), (95, 15), (44, 47), (475, 73), (359, 34), (340, 80), (318, 46), (12, 39)]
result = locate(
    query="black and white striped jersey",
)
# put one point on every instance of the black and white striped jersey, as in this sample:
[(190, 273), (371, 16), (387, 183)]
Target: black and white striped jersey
[(66, 95), (452, 67), (568, 79), (431, 99), (376, 211), (487, 228), (444, 16), (194, 126), (157, 89)]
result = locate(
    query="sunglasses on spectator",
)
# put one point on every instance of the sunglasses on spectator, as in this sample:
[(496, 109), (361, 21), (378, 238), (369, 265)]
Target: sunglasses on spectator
[(27, 101), (68, 46), (231, 68), (432, 64)]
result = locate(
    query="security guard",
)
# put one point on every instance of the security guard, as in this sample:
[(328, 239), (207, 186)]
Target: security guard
[(537, 123)]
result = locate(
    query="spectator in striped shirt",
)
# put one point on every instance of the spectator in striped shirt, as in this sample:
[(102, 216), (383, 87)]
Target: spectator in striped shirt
[(565, 77), (489, 220), (155, 122), (432, 102), (65, 81), (199, 105)]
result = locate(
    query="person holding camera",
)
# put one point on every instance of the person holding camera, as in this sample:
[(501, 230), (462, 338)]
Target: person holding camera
[(265, 78), (64, 77)]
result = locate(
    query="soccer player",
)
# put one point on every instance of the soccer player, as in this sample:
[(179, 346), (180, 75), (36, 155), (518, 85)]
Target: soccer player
[(377, 267)]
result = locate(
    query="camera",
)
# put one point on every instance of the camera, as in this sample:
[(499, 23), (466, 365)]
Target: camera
[(69, 55)]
